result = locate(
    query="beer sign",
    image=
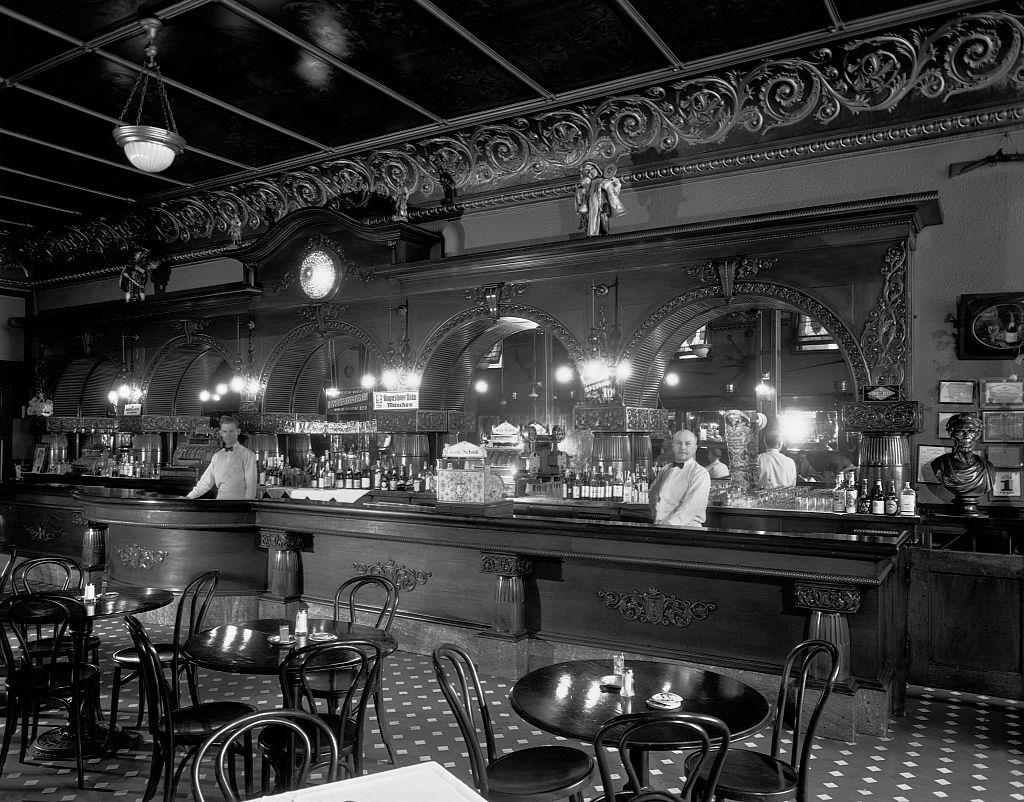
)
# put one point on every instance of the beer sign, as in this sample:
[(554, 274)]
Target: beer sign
[(404, 399)]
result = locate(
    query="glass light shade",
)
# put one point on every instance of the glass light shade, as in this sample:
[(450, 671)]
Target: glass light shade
[(763, 389), (112, 396), (124, 391), (204, 396), (368, 381), (672, 379), (237, 383), (390, 378), (412, 381), (220, 389), (147, 147), (318, 275), (595, 370), (480, 386), (563, 374), (624, 370)]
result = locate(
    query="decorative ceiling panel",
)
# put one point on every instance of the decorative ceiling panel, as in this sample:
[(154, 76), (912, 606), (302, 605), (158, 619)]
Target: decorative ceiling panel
[(561, 46)]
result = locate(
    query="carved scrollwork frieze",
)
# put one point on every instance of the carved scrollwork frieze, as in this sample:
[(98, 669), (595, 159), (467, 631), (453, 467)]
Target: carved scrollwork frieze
[(655, 608), (281, 540), (43, 530), (405, 579), (882, 416), (140, 558), (77, 519), (827, 598), (505, 564)]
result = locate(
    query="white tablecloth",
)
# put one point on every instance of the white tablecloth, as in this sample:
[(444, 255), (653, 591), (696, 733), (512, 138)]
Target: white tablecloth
[(424, 782)]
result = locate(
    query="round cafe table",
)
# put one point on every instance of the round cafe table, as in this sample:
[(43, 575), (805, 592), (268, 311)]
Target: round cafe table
[(245, 648), (120, 600), (568, 699)]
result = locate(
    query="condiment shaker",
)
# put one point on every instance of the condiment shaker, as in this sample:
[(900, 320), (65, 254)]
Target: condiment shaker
[(627, 682), (618, 663), (301, 623)]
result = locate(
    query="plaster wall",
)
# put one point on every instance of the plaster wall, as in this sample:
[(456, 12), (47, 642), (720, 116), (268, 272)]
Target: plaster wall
[(12, 341), (978, 248)]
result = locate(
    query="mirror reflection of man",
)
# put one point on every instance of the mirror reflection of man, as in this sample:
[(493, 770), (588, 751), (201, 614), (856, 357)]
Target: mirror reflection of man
[(775, 469), (679, 495), (232, 470)]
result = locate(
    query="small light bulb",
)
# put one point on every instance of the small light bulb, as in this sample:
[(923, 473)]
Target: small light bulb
[(216, 397), (563, 374), (204, 396), (237, 384), (112, 397), (220, 389), (368, 382), (332, 392), (672, 379), (480, 386)]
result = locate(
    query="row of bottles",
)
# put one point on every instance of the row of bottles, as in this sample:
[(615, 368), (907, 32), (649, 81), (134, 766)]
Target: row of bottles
[(848, 498), (631, 487), (324, 474)]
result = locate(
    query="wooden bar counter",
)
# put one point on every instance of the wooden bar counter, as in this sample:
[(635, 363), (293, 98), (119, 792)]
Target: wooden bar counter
[(523, 591)]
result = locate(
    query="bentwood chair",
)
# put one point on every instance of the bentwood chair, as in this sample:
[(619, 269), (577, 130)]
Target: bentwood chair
[(538, 773), (171, 725), (188, 620), (353, 595), (300, 671), (671, 731), (11, 553), (44, 574), (304, 751), (48, 669), (756, 777)]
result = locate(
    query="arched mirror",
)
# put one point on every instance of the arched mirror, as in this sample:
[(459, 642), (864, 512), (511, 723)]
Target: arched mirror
[(783, 364)]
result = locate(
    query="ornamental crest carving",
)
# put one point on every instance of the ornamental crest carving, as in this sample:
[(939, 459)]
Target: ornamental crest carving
[(829, 598), (405, 579), (728, 270), (282, 541), (135, 556), (43, 531), (321, 315), (655, 608), (189, 328), (882, 416), (505, 565), (491, 296)]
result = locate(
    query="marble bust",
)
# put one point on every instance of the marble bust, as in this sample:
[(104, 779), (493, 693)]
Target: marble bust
[(962, 472)]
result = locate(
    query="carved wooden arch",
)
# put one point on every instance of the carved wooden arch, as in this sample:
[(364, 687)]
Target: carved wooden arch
[(327, 328), (434, 374), (183, 341), (686, 313)]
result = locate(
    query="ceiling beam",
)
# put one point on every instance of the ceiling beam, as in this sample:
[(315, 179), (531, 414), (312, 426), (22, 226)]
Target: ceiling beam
[(13, 199), (483, 47), (78, 187), (638, 19), (323, 55)]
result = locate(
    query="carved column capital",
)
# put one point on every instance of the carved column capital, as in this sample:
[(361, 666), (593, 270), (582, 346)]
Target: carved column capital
[(504, 564), (281, 540), (827, 598)]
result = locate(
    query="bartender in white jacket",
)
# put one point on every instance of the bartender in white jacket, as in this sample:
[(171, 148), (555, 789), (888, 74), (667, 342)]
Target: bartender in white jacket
[(232, 470), (679, 495)]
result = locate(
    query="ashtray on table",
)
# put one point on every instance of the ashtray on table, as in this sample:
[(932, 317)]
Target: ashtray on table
[(277, 640)]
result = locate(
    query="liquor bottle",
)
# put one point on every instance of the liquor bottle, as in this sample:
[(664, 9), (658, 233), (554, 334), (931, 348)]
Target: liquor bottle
[(908, 500), (877, 499), (1012, 333), (392, 478), (618, 487), (376, 479), (851, 492), (864, 499), (892, 504), (839, 494)]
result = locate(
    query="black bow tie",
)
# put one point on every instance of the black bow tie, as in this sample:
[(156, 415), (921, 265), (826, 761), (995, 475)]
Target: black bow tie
[(228, 448), (679, 464)]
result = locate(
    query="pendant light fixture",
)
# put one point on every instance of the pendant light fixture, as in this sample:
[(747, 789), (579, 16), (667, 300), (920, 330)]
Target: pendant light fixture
[(149, 147)]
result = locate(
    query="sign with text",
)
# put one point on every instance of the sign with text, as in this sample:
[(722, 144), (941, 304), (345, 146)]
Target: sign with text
[(132, 409), (405, 399), (350, 401)]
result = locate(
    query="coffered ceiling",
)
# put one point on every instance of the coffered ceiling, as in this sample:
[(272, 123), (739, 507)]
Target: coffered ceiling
[(266, 88)]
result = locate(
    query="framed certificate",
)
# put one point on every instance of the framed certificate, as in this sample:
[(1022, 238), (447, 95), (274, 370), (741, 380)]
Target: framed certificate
[(1004, 456), (1006, 485), (925, 455), (1003, 427), (958, 392), (996, 393)]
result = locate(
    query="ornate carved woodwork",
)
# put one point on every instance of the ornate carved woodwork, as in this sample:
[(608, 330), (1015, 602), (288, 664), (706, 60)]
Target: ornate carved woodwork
[(655, 608), (886, 338), (827, 598), (140, 558), (505, 564), (281, 541), (728, 270), (491, 296), (882, 416), (405, 579)]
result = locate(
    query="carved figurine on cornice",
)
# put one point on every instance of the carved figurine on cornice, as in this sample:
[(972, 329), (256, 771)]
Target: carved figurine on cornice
[(401, 206), (135, 276), (190, 328), (963, 473), (597, 198)]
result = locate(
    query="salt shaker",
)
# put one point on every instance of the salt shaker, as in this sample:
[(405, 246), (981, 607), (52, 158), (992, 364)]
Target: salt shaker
[(301, 623), (627, 683), (618, 663)]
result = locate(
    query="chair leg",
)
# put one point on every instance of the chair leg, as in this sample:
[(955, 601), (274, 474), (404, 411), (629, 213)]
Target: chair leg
[(385, 733), (12, 725), (155, 772), (115, 695), (169, 775), (28, 706), (193, 683), (75, 715), (142, 704)]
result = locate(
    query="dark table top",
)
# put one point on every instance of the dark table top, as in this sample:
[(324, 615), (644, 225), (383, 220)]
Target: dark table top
[(245, 648), (568, 699), (124, 600)]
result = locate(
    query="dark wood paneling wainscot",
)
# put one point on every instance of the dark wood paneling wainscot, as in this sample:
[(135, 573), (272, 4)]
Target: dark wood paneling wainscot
[(522, 592)]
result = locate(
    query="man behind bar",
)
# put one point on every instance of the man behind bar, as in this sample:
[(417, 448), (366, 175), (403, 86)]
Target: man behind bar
[(679, 495), (232, 470), (775, 469)]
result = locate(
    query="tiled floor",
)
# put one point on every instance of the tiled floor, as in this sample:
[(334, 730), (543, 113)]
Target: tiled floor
[(949, 747)]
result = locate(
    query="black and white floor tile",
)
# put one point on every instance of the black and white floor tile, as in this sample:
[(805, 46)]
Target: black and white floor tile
[(949, 746)]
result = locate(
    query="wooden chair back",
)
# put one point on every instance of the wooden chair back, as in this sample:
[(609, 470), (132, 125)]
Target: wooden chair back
[(43, 574), (347, 594), (189, 619)]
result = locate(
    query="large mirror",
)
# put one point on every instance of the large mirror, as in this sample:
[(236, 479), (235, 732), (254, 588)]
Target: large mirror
[(783, 364)]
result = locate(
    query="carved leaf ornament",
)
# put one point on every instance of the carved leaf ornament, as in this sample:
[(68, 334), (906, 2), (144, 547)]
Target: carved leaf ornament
[(655, 608)]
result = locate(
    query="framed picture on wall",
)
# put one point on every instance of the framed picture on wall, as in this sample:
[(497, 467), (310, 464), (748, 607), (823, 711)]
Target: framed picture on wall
[(1004, 456), (1006, 485), (989, 326), (39, 459), (925, 455), (1003, 427), (943, 418), (1000, 393), (958, 392)]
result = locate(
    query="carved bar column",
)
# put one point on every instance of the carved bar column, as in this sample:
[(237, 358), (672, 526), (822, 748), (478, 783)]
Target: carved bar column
[(509, 591), (829, 605), (284, 565)]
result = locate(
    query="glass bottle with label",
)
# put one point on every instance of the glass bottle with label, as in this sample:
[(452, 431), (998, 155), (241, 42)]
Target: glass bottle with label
[(892, 504), (864, 499), (908, 500), (851, 492), (878, 499), (839, 494)]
